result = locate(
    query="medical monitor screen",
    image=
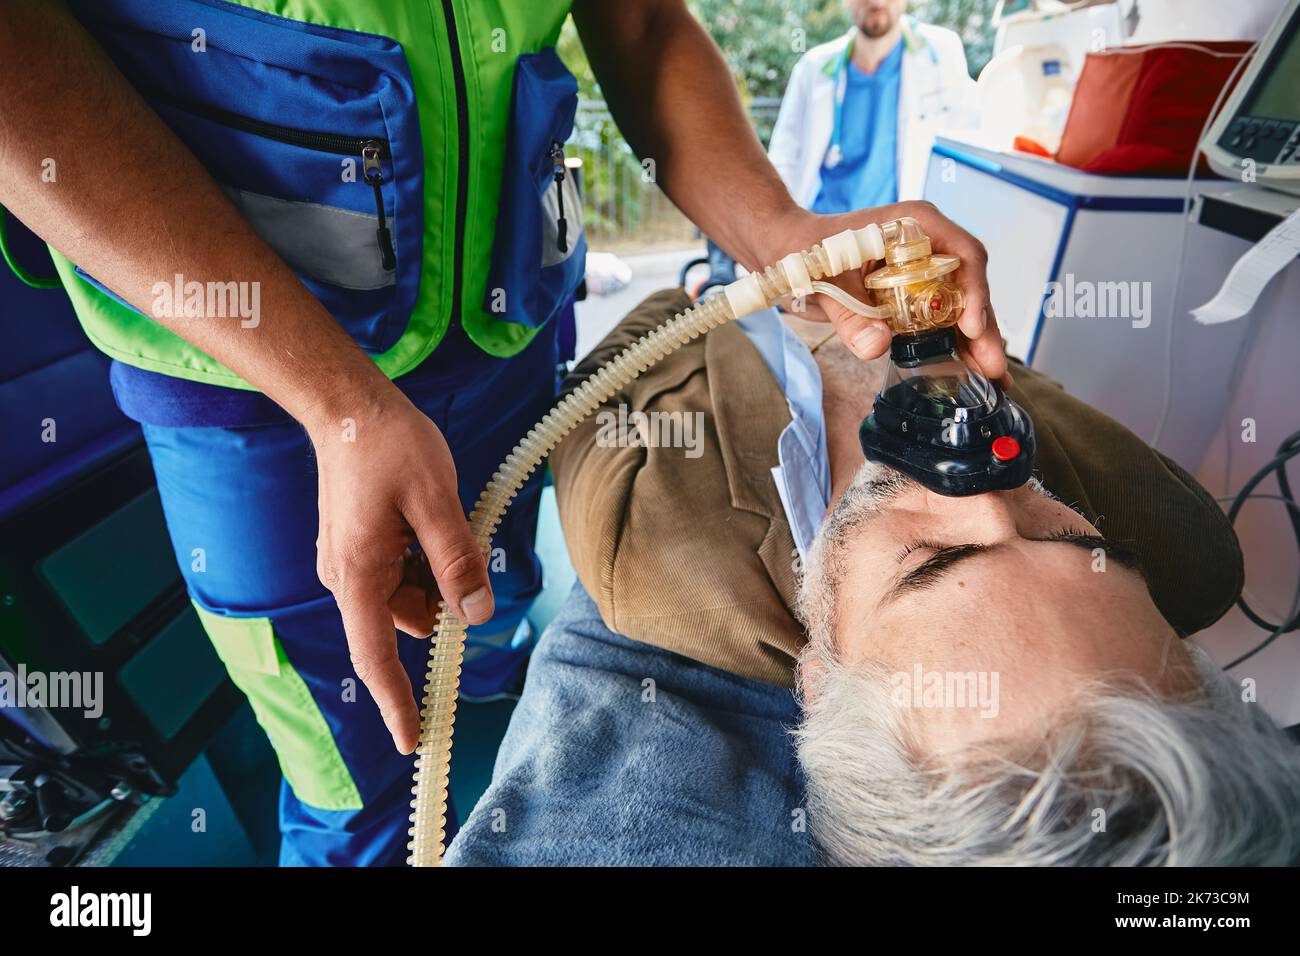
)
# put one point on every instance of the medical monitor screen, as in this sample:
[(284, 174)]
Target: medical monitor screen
[(1277, 91)]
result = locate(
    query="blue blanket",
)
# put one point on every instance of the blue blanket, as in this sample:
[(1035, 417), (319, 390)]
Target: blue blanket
[(620, 753)]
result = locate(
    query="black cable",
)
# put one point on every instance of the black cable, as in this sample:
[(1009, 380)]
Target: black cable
[(1289, 449), (1293, 508)]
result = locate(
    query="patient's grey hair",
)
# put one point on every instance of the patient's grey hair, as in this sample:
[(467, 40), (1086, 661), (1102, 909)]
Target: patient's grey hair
[(1127, 779)]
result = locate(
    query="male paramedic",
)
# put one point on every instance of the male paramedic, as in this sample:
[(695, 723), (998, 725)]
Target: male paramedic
[(325, 243), (859, 112)]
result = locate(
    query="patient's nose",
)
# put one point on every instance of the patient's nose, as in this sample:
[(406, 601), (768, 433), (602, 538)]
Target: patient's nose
[(992, 516)]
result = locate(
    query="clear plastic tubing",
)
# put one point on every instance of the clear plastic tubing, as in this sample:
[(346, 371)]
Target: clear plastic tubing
[(851, 303), (794, 274)]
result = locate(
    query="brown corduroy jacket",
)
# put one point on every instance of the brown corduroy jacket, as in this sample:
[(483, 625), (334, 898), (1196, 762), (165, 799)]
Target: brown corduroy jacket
[(694, 554)]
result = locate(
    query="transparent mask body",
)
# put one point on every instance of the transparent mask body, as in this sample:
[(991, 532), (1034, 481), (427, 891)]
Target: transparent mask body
[(938, 387)]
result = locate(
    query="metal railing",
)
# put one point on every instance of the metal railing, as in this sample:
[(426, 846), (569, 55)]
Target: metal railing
[(625, 210)]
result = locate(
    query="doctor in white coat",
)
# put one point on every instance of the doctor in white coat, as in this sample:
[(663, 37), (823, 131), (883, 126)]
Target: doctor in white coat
[(860, 112)]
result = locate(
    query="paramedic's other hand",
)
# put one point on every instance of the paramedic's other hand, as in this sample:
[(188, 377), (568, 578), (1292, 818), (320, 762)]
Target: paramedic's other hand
[(869, 338), (387, 482)]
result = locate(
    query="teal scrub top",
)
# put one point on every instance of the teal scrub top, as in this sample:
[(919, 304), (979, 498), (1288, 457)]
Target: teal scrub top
[(867, 173)]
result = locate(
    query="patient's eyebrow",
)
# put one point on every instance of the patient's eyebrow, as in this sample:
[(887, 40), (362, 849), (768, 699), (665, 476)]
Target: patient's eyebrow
[(934, 568)]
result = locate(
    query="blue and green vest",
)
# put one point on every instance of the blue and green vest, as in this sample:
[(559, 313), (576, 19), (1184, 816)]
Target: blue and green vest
[(404, 157)]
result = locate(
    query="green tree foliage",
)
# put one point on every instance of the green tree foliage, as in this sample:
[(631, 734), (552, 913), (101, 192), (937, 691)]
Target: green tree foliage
[(762, 39), (972, 20)]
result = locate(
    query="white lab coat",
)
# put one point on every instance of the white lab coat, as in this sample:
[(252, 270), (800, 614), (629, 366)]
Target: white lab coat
[(935, 91)]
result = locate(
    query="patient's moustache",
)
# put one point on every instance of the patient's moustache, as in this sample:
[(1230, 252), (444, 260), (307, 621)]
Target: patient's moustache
[(909, 292)]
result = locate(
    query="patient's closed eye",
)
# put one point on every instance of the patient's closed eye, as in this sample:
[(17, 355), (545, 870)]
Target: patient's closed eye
[(1123, 556)]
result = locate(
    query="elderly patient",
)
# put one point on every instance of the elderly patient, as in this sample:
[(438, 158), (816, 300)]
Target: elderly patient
[(996, 679)]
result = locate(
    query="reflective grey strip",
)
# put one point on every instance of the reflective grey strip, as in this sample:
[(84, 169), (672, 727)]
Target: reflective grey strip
[(551, 253), (333, 245)]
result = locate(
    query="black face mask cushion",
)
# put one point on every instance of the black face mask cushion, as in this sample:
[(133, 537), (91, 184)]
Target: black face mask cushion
[(952, 451)]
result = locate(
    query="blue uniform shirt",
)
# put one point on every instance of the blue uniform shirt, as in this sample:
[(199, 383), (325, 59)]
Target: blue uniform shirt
[(803, 475), (867, 173)]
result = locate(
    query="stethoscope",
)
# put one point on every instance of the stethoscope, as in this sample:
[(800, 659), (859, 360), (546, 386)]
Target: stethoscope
[(834, 153)]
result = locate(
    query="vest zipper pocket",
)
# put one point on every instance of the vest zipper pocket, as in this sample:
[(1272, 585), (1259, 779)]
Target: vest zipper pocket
[(371, 153), (312, 132), (371, 150), (561, 224), (539, 251)]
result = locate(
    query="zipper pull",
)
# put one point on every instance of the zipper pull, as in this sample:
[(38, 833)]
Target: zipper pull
[(371, 153), (561, 224)]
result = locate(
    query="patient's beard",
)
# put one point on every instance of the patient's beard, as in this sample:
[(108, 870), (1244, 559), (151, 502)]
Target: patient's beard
[(872, 487)]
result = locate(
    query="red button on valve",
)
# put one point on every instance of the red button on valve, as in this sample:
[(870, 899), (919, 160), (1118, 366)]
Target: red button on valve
[(1005, 448)]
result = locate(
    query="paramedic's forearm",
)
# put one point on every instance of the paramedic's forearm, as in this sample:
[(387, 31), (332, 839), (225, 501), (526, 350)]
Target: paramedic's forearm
[(674, 99), (109, 186)]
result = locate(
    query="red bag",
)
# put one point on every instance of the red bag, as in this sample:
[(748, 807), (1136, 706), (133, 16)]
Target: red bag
[(1139, 110)]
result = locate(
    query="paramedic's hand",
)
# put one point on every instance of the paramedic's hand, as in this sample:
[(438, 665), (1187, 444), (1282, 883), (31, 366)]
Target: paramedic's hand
[(869, 338), (387, 482)]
